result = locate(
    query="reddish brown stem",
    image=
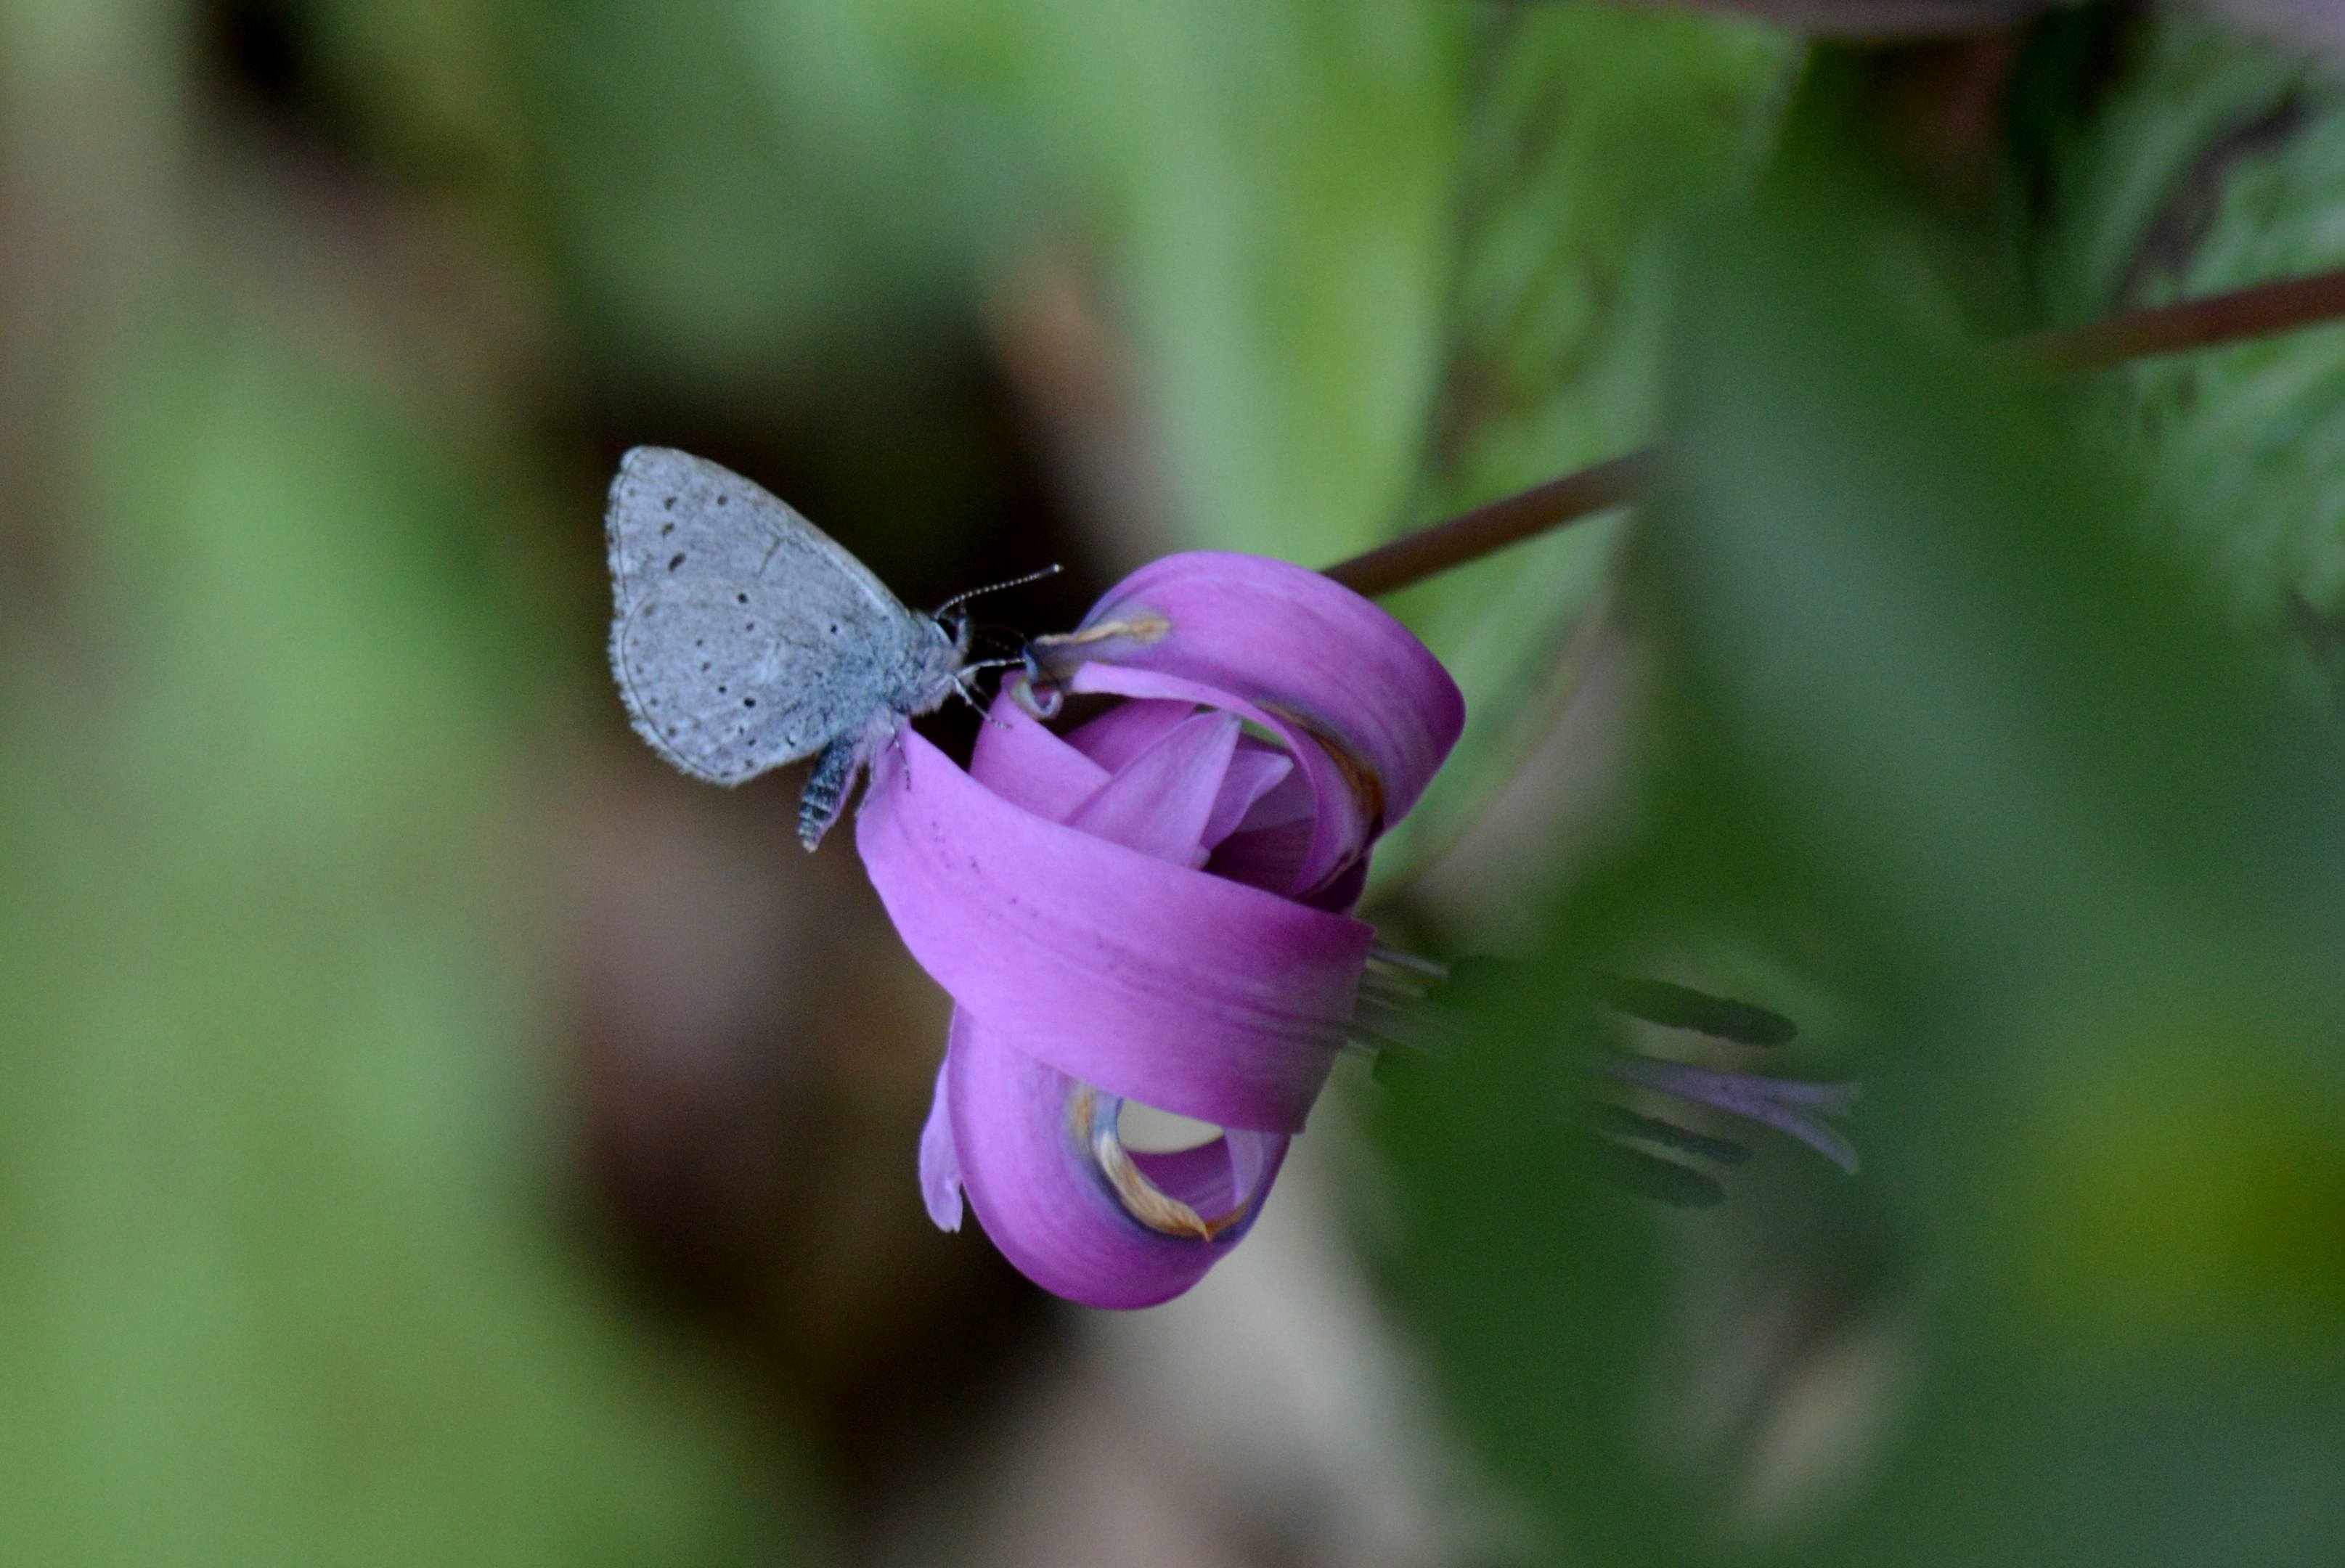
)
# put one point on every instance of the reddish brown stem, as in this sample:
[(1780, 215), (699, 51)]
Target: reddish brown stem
[(1413, 557), (2205, 323), (2218, 318)]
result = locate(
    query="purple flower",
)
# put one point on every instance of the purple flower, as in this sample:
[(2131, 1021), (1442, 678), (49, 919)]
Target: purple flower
[(1154, 906)]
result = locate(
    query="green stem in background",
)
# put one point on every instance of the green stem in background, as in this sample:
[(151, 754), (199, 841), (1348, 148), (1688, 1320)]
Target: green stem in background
[(2218, 318)]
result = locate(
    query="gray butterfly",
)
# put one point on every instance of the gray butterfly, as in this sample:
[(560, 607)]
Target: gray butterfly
[(743, 637)]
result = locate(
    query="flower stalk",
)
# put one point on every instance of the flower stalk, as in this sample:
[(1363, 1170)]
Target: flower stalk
[(2208, 322)]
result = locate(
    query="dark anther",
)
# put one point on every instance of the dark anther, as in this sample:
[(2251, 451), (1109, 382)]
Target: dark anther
[(1644, 1174), (1618, 1121), (1682, 1007)]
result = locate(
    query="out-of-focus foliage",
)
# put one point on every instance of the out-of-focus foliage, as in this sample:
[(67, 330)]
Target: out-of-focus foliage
[(2211, 161), (1943, 726), (1601, 143), (768, 196), (277, 1289)]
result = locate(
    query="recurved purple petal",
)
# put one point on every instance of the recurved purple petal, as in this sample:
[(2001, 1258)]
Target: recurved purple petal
[(1162, 801), (1023, 1130), (1254, 773), (1347, 802), (1149, 980), (1282, 637), (1023, 760), (1126, 730)]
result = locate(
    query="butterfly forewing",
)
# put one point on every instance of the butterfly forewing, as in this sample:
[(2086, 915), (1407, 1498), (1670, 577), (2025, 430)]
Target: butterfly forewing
[(674, 518), (743, 636)]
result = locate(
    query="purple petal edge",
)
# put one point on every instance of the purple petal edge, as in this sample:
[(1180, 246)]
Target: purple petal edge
[(939, 1163)]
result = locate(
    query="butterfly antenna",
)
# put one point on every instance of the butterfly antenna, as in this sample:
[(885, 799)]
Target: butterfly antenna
[(958, 599)]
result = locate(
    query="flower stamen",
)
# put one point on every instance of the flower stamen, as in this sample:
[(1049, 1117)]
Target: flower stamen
[(1787, 1105), (1400, 1012), (1392, 957)]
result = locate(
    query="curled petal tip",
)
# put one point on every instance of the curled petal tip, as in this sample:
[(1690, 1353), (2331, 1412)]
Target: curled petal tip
[(939, 1164), (1034, 692), (1058, 656)]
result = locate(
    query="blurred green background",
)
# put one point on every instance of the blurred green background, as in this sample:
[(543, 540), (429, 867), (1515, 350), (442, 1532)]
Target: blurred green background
[(433, 1132)]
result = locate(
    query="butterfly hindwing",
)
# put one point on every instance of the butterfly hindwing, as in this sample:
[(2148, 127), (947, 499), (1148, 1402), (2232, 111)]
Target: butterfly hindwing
[(725, 680)]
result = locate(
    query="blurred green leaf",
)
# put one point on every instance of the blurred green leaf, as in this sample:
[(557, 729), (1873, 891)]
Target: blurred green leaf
[(1926, 599), (1274, 186), (797, 194), (747, 201), (1943, 722), (281, 1284), (1534, 1279), (1552, 355), (2211, 160)]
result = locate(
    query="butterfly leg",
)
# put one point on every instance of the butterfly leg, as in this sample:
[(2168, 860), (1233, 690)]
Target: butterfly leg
[(835, 767), (963, 684)]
